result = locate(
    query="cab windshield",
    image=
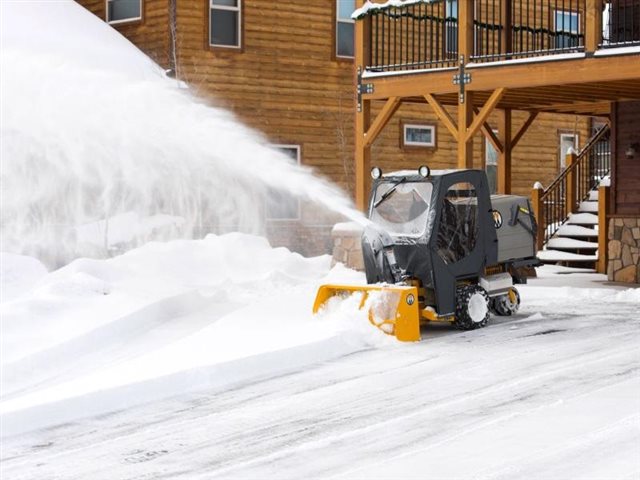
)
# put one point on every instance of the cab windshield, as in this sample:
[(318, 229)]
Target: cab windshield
[(401, 207)]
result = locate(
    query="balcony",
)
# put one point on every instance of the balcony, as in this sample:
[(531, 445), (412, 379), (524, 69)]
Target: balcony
[(558, 56), (432, 35)]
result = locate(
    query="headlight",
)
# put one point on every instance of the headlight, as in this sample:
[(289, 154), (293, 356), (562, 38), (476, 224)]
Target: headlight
[(376, 173), (424, 171)]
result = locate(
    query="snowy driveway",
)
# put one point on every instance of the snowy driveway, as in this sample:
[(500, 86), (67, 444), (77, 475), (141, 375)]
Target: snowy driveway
[(551, 393)]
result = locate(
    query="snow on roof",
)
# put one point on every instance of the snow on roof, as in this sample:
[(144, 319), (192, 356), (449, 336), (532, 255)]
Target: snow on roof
[(369, 7)]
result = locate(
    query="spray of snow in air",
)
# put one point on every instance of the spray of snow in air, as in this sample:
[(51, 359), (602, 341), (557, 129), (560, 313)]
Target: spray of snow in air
[(100, 147)]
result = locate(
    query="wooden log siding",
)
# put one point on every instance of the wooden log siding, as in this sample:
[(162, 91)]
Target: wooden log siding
[(287, 84)]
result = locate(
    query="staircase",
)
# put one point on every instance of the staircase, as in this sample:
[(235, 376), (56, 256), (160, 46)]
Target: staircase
[(567, 212)]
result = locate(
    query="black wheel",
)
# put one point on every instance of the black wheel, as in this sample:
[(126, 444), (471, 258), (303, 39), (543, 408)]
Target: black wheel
[(472, 307), (507, 304)]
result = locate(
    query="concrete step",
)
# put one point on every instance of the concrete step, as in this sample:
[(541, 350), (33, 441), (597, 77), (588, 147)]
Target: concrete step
[(576, 231), (583, 219), (552, 256), (571, 244), (588, 207)]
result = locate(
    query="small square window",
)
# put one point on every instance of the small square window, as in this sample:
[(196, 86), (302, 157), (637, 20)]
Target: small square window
[(280, 204), (225, 23), (419, 135), (345, 27), (123, 10)]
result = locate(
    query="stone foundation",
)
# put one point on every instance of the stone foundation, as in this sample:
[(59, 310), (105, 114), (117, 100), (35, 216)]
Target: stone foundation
[(347, 245), (624, 250)]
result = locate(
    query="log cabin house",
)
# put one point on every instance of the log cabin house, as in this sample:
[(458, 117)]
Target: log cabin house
[(511, 86)]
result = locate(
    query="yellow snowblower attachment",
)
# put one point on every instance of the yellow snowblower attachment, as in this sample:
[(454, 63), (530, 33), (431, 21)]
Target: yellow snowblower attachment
[(393, 309)]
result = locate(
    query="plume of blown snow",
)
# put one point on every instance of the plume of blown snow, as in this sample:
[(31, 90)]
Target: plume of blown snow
[(92, 130)]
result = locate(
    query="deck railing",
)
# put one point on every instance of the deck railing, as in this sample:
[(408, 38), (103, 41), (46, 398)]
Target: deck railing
[(506, 29), (584, 172), (417, 36), (621, 20), (428, 34)]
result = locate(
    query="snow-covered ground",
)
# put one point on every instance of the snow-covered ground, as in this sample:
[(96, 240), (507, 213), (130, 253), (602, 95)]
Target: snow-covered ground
[(200, 359)]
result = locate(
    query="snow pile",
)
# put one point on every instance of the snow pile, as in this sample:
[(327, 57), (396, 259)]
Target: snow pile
[(163, 319), (92, 130)]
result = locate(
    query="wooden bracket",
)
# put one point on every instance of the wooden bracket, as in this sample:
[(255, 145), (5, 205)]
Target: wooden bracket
[(443, 115), (523, 129), (483, 114), (381, 120)]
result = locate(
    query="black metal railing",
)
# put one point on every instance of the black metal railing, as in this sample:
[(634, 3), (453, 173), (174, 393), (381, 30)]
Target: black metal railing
[(506, 29), (597, 165), (592, 164), (416, 36), (621, 23)]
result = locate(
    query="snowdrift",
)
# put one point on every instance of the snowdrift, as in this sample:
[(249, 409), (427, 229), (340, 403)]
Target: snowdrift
[(161, 320)]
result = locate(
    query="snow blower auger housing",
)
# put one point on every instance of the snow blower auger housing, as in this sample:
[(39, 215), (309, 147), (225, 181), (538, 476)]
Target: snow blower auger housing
[(440, 248)]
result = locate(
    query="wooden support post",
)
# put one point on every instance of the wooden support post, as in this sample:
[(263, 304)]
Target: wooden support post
[(593, 25), (362, 155), (504, 157), (538, 209), (571, 193), (603, 229), (465, 102), (465, 145)]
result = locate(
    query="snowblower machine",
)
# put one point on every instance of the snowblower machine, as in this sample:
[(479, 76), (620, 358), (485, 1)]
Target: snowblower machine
[(440, 248)]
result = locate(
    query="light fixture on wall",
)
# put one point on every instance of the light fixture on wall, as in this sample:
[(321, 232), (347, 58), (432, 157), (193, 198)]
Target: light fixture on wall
[(632, 150)]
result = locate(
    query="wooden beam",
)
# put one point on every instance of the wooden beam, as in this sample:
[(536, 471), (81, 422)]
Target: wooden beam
[(465, 144), (443, 115), (381, 120), (523, 129), (504, 157), (602, 69), (484, 113)]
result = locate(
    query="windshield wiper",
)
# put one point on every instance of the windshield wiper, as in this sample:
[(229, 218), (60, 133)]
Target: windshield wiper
[(389, 192)]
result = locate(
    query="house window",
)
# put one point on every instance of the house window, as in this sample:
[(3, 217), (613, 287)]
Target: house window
[(123, 10), (567, 141), (344, 28), (451, 27), (491, 164), (418, 135), (225, 23), (567, 27), (280, 204)]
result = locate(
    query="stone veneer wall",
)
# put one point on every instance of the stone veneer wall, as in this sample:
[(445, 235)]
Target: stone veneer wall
[(624, 250), (347, 245)]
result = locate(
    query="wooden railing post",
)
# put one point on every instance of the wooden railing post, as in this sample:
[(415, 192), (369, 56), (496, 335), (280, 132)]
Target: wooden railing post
[(603, 228), (538, 209), (506, 33), (593, 25), (571, 194)]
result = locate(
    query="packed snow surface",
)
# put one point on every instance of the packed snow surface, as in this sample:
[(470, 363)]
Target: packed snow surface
[(209, 354)]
